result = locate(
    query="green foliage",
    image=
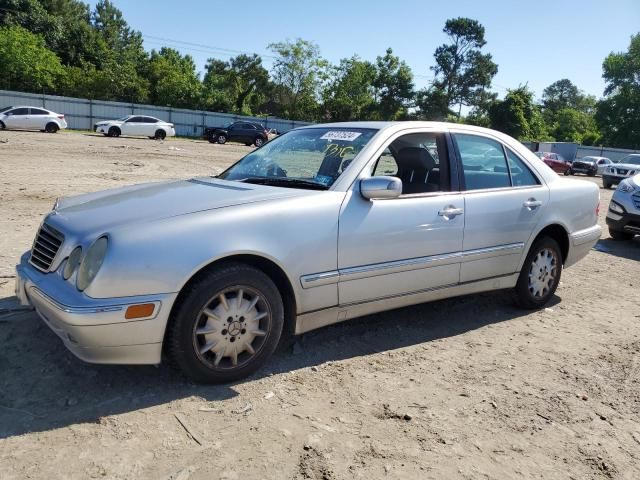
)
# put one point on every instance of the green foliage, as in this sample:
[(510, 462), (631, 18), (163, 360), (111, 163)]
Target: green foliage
[(350, 95), (393, 85), (298, 73), (618, 114), (463, 72), (25, 62), (518, 115), (173, 79)]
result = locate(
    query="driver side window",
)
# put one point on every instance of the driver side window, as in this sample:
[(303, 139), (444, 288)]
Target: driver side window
[(415, 159)]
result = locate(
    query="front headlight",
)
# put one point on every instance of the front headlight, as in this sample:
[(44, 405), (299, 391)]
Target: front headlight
[(91, 263), (626, 186), (72, 263), (614, 207)]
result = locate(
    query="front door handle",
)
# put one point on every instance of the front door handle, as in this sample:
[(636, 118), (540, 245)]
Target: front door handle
[(532, 204), (450, 212)]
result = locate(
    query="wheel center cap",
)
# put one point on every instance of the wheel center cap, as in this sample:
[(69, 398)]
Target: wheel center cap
[(235, 328)]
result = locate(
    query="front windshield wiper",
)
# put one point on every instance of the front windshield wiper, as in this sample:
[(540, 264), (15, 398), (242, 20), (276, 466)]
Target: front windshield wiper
[(285, 182)]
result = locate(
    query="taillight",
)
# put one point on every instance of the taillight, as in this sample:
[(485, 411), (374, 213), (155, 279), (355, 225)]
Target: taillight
[(598, 208), (61, 117)]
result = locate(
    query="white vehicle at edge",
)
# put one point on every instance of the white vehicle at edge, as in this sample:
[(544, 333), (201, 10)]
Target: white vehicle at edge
[(31, 118), (322, 224), (137, 126)]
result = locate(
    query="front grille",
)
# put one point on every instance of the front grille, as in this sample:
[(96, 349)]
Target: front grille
[(622, 171), (45, 247), (586, 166)]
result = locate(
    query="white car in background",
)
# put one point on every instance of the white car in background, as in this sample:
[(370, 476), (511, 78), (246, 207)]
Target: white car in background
[(31, 118), (136, 125)]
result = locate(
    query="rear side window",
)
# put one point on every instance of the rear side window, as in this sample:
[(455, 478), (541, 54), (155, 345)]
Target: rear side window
[(37, 111), (483, 162), (521, 175), (149, 120)]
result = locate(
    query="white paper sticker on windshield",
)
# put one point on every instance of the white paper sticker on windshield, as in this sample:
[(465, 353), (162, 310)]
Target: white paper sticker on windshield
[(341, 135)]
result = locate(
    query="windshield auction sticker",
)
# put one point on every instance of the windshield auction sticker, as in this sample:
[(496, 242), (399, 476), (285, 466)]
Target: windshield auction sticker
[(341, 135)]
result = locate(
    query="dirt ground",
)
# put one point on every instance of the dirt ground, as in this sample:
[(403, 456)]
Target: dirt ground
[(463, 388)]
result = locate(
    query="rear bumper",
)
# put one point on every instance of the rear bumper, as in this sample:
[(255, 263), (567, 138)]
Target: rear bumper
[(95, 330), (581, 242)]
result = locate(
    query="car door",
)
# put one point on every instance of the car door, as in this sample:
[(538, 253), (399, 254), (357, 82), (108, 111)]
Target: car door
[(410, 244), (147, 126), (38, 118), (234, 132), (17, 118), (504, 201), (131, 126)]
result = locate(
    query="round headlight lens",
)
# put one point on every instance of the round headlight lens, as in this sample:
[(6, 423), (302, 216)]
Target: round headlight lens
[(91, 263), (72, 263)]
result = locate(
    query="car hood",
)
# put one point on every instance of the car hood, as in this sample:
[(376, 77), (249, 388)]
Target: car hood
[(137, 204), (627, 166)]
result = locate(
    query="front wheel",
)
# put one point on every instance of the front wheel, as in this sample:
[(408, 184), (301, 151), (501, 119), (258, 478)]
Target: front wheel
[(540, 274), (226, 325), (618, 235), (221, 139), (114, 132), (606, 184), (258, 142), (568, 172)]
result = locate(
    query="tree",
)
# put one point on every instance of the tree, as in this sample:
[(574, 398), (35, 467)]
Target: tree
[(463, 73), (393, 86), (517, 115), (350, 95), (618, 114), (26, 63), (297, 73), (173, 79)]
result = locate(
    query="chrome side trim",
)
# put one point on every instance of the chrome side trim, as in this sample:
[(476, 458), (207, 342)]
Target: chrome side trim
[(319, 279), (406, 265), (373, 270), (321, 318)]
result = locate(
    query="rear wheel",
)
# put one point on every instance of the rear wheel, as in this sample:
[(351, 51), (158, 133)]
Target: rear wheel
[(540, 274), (114, 132), (51, 128), (226, 325), (619, 235), (160, 134)]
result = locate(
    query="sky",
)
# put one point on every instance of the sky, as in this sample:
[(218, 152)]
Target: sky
[(533, 42)]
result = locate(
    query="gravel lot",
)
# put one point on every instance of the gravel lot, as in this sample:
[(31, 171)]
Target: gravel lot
[(463, 388)]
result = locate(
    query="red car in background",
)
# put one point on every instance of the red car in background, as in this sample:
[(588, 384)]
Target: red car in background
[(557, 162)]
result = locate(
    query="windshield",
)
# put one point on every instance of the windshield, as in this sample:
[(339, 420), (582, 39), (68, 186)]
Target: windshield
[(305, 158), (631, 159), (5, 109)]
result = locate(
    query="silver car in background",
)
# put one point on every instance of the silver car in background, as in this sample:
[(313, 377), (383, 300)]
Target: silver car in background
[(322, 224), (623, 216), (627, 167), (590, 165)]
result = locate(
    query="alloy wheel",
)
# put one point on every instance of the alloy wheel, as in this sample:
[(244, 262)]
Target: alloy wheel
[(543, 272)]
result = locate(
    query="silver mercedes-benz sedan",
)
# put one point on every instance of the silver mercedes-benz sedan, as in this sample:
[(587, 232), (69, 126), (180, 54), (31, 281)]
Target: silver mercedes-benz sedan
[(320, 225)]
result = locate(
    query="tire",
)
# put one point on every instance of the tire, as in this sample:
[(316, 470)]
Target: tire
[(114, 132), (606, 185), (212, 139), (535, 292), (258, 142), (619, 235), (568, 172), (2, 126), (51, 128), (221, 139), (160, 134), (208, 356)]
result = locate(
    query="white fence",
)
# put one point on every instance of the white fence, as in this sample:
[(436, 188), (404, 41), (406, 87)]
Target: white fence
[(81, 113)]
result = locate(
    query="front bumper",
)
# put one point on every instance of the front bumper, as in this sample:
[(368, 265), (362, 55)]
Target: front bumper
[(581, 242), (623, 222), (95, 330)]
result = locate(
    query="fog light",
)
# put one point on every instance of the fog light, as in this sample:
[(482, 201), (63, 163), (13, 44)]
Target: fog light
[(139, 311), (614, 207)]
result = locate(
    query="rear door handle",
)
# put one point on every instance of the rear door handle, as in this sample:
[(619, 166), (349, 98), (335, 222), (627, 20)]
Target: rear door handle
[(532, 204), (450, 212)]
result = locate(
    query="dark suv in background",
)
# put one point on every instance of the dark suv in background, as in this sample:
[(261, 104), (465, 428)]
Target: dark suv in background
[(249, 133)]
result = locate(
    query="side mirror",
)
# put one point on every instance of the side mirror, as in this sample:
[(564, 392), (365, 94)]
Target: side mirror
[(380, 187)]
